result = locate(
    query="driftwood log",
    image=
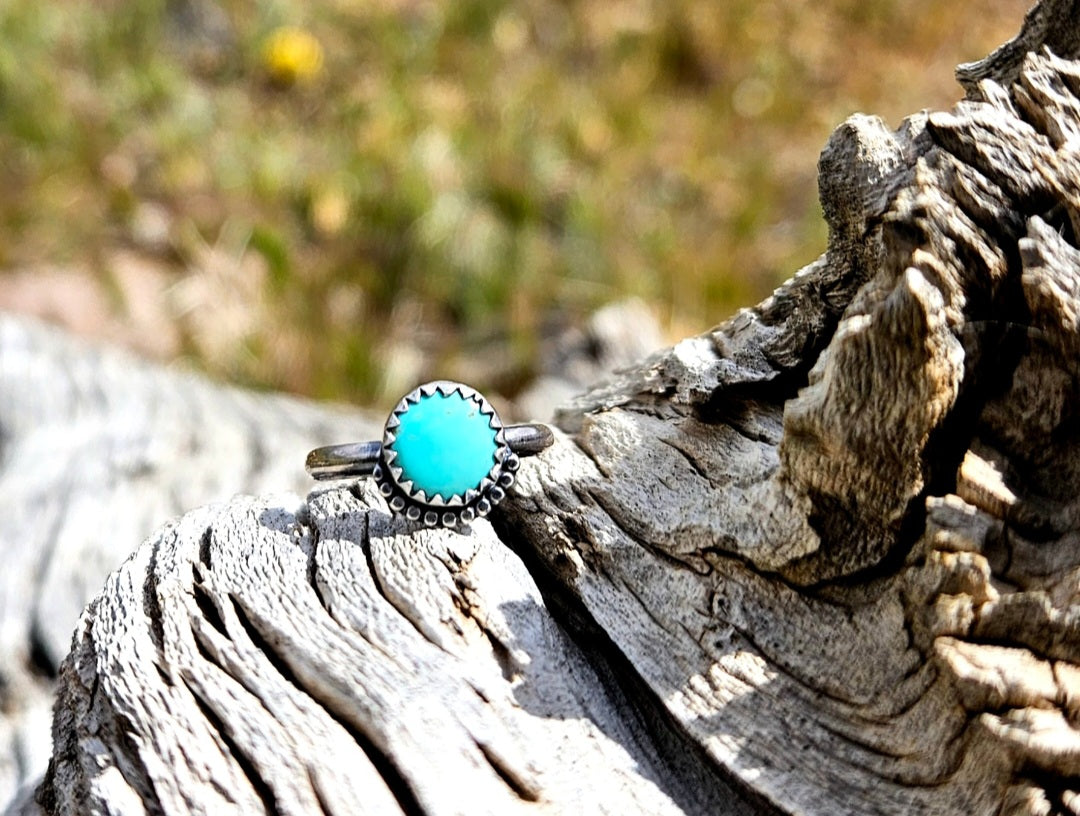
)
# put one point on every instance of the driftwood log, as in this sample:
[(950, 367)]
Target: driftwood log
[(822, 559), (98, 448)]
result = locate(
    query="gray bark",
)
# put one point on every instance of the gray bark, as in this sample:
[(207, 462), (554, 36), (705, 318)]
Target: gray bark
[(821, 559)]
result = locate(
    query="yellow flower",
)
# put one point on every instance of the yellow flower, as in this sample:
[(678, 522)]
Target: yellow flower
[(292, 55)]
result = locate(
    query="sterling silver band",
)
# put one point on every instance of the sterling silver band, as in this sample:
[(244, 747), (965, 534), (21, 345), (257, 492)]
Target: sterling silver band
[(361, 458)]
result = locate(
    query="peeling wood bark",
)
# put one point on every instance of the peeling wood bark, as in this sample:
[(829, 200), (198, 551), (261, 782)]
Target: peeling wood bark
[(821, 559)]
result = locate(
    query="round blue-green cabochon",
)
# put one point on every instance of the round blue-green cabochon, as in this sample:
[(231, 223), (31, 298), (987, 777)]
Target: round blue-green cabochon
[(444, 444)]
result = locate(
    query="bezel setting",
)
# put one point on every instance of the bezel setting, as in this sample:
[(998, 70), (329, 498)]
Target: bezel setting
[(405, 498)]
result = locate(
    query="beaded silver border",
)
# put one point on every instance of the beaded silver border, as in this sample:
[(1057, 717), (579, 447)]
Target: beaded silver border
[(406, 499)]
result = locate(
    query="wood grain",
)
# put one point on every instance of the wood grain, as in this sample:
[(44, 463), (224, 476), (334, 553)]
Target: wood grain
[(97, 449)]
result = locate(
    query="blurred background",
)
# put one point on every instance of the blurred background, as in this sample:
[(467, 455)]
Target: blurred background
[(340, 198)]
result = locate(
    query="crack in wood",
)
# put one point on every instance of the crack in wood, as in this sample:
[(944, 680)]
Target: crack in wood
[(248, 767), (524, 788), (382, 762)]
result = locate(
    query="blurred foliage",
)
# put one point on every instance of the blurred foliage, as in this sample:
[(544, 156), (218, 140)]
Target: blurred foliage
[(292, 55), (396, 188)]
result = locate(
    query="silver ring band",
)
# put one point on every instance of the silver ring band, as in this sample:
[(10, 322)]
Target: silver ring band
[(445, 457), (361, 458)]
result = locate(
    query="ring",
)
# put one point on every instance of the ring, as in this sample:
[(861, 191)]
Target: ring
[(445, 457)]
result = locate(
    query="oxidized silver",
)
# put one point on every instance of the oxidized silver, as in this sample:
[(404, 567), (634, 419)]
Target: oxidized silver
[(377, 459)]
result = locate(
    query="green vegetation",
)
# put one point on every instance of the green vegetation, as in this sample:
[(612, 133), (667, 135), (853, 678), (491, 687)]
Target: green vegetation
[(445, 177)]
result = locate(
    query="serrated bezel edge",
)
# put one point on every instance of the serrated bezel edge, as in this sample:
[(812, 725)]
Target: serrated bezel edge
[(459, 508)]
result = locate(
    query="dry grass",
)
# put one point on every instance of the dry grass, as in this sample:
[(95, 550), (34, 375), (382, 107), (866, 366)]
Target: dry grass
[(436, 182)]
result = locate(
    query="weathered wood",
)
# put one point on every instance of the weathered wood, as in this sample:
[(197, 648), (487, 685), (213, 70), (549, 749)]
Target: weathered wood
[(97, 449), (349, 665), (867, 570), (822, 559)]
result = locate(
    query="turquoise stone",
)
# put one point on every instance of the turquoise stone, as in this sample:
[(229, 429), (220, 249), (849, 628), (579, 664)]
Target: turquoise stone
[(444, 445)]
